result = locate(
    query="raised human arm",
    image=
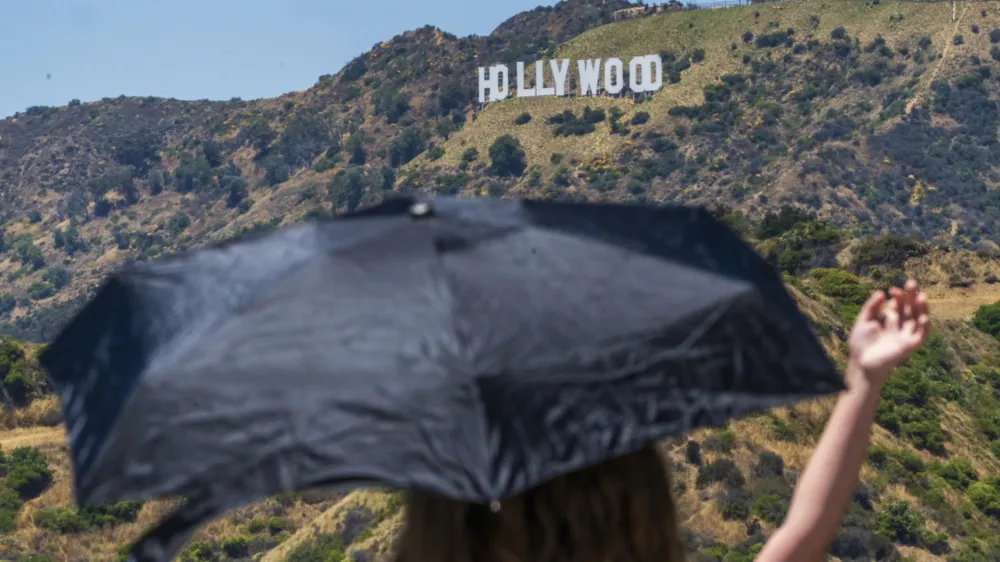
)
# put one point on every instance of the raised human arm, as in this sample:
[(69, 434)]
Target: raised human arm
[(880, 340)]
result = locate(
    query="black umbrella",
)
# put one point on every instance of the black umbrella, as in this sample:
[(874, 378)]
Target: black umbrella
[(472, 348)]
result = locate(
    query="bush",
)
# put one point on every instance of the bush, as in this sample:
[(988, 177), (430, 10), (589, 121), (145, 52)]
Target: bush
[(522, 119), (734, 511), (236, 547), (111, 514), (848, 291), (326, 547), (405, 147), (200, 551), (888, 251), (898, 522), (770, 464), (10, 504), (721, 441), (177, 223), (985, 497), (721, 470), (57, 276), (776, 224), (60, 519), (692, 452), (507, 156), (255, 526), (995, 36), (40, 290), (771, 508), (640, 118), (276, 525), (987, 319), (28, 472), (959, 474), (435, 153)]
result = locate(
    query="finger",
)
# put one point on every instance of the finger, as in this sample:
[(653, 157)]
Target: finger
[(870, 310), (919, 333), (901, 305), (908, 299), (890, 315), (920, 305)]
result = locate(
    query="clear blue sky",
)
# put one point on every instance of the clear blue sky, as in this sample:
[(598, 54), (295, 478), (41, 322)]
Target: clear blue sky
[(52, 51)]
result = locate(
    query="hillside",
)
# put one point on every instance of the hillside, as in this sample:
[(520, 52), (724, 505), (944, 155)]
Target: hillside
[(853, 142)]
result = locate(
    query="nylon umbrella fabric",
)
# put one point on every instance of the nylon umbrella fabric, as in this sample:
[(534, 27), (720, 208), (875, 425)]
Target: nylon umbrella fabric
[(472, 348)]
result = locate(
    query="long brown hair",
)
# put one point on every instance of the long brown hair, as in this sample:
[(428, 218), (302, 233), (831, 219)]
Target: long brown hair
[(617, 511)]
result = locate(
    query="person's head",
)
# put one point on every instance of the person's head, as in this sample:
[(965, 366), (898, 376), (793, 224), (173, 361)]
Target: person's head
[(617, 511)]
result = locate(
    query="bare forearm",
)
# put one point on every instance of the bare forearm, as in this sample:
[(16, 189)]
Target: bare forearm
[(827, 485)]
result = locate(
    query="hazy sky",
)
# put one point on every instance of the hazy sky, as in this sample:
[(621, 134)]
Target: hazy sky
[(52, 51)]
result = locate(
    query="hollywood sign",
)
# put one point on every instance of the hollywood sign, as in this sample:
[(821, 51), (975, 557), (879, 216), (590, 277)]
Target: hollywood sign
[(645, 74)]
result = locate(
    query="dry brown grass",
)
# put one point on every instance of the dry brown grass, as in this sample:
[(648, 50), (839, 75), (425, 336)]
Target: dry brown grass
[(329, 521)]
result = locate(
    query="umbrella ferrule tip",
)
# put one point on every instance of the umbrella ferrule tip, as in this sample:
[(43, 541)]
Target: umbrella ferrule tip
[(421, 209)]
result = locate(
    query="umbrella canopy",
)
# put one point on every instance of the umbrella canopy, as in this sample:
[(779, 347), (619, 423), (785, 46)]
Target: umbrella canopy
[(472, 348)]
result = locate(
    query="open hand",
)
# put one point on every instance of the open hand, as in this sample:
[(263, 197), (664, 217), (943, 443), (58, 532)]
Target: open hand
[(886, 334)]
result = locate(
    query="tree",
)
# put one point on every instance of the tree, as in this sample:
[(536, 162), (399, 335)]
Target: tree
[(347, 188), (508, 156), (356, 150), (407, 146)]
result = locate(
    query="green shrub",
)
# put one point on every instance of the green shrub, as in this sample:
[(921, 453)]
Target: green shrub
[(958, 473), (236, 547), (10, 504), (898, 522), (771, 508), (200, 551), (987, 319), (276, 525), (721, 470), (40, 290), (435, 153), (255, 526), (721, 441), (734, 511), (639, 118), (111, 514), (890, 251), (57, 276), (985, 497), (776, 224), (28, 472), (507, 156), (325, 548), (848, 292), (60, 520)]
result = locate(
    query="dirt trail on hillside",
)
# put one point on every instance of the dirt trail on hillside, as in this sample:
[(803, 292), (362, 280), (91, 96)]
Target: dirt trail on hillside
[(942, 60), (960, 304), (32, 437)]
